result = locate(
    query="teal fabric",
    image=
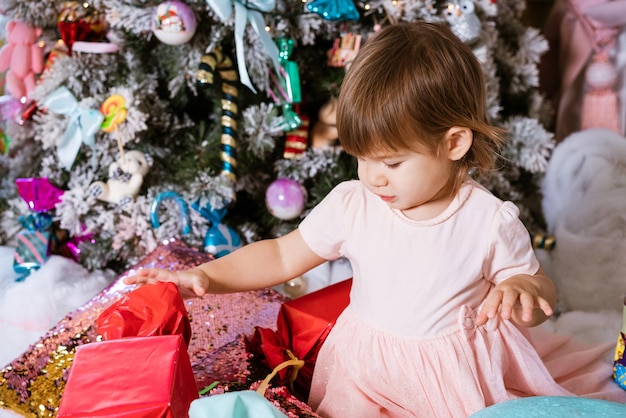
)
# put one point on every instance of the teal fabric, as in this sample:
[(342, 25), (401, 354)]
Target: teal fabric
[(553, 407), (241, 404)]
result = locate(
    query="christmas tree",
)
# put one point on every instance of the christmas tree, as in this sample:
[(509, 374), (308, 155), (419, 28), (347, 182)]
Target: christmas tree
[(212, 121)]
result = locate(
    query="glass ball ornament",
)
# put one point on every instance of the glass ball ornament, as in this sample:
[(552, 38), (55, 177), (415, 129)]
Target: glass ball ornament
[(173, 22), (295, 287), (601, 73), (285, 198)]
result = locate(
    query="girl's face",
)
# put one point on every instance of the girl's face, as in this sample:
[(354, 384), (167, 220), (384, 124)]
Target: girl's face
[(415, 183)]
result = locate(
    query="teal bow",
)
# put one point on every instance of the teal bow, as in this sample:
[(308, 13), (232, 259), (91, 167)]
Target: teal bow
[(247, 11), (82, 126)]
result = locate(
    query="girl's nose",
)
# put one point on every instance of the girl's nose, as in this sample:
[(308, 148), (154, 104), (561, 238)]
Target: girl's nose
[(375, 176)]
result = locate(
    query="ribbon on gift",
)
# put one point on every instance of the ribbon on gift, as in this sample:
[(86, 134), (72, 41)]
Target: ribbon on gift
[(82, 126), (247, 11)]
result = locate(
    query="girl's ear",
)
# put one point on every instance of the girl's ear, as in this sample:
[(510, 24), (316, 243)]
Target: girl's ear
[(458, 141)]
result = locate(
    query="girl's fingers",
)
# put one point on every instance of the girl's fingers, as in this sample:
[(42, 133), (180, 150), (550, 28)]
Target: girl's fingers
[(545, 306), (527, 302), (490, 307), (509, 299)]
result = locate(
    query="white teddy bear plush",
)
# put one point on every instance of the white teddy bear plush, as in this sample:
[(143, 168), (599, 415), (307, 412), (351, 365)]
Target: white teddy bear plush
[(125, 179)]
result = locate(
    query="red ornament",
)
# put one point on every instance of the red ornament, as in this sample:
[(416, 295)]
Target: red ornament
[(80, 22)]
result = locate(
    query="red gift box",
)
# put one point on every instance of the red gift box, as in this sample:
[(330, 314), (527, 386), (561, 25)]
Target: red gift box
[(153, 309), (143, 367), (302, 327), (138, 377)]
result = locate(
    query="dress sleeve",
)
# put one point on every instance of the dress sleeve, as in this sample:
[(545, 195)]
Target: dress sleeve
[(510, 247), (324, 228)]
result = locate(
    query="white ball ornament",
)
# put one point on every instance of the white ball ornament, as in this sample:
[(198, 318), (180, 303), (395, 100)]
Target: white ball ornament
[(601, 74), (173, 22), (285, 199)]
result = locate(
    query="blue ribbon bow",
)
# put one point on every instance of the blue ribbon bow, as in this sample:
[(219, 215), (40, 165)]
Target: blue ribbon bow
[(82, 126), (247, 11)]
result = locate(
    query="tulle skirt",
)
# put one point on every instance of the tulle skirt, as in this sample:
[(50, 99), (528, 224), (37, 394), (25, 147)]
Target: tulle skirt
[(364, 372)]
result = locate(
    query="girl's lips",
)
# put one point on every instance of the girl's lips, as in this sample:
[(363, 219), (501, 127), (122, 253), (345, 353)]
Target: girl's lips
[(386, 198)]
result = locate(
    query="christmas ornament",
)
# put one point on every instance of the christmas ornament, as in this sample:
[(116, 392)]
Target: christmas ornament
[(33, 244), (210, 62), (285, 198), (600, 106), (125, 179), (114, 111), (79, 22), (10, 108), (285, 87), (248, 11), (461, 16), (344, 50), (296, 140), (22, 59), (38, 193), (81, 127), (220, 239), (173, 22), (335, 10), (182, 208), (544, 242), (295, 287)]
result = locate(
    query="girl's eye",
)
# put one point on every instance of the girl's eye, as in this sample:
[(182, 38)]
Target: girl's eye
[(392, 165)]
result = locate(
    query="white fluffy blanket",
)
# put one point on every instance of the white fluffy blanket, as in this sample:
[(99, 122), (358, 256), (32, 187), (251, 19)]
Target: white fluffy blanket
[(28, 309), (585, 208)]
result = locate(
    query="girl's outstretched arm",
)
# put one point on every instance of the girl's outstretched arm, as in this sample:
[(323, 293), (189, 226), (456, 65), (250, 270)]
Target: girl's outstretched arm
[(524, 299), (258, 265)]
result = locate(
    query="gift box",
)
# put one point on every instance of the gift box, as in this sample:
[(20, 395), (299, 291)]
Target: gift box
[(142, 369), (153, 309), (134, 377), (301, 328)]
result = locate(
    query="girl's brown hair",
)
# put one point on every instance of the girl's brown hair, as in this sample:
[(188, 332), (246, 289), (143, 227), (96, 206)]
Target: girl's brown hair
[(409, 84)]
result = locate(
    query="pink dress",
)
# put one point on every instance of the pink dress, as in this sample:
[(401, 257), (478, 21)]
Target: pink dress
[(407, 344)]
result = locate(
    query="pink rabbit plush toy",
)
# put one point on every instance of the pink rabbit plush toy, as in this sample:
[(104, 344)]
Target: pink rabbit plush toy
[(22, 57)]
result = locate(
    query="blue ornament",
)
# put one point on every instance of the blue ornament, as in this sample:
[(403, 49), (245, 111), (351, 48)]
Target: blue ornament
[(220, 239), (336, 10), (182, 206)]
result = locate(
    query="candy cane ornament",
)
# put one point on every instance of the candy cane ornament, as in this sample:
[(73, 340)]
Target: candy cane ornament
[(216, 60)]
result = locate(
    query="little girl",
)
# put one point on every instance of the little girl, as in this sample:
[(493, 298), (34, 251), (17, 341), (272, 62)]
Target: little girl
[(445, 277)]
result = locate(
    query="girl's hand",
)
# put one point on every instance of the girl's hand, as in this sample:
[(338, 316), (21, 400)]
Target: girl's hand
[(191, 283), (522, 298)]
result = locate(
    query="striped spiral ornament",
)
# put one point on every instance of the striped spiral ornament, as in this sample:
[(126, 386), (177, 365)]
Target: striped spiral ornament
[(216, 60)]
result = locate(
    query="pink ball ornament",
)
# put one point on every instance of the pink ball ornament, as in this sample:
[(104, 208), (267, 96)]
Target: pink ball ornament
[(285, 199), (173, 22)]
